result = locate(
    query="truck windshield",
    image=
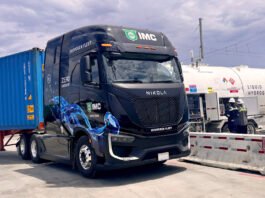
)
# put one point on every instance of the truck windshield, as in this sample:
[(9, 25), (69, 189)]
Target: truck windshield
[(142, 71)]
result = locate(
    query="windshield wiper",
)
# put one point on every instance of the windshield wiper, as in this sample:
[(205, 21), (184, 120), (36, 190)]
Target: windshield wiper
[(163, 81), (128, 81)]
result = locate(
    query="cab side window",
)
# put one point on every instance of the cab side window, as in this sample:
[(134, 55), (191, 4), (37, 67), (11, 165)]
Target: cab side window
[(75, 77), (89, 70), (94, 70)]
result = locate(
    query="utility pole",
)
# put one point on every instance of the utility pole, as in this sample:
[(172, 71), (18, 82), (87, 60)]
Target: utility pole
[(201, 42), (192, 57), (201, 51)]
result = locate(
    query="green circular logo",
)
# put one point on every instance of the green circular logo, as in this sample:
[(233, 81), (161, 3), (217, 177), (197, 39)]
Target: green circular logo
[(131, 34)]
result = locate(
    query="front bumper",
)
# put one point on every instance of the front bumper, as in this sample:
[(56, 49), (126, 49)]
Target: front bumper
[(120, 152)]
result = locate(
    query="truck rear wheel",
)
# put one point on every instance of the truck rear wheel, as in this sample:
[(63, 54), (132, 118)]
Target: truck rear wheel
[(86, 159), (35, 150), (23, 146)]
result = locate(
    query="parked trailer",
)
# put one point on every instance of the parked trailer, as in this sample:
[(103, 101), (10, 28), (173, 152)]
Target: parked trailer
[(21, 97), (253, 85), (209, 89)]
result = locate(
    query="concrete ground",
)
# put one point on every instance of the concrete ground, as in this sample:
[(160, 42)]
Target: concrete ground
[(20, 178)]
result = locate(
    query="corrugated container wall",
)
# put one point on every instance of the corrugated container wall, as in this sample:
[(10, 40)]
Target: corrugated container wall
[(21, 90)]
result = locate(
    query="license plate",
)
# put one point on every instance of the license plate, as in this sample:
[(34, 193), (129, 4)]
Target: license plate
[(163, 156)]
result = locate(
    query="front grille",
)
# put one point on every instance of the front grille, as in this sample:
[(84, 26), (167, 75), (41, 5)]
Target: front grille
[(157, 112)]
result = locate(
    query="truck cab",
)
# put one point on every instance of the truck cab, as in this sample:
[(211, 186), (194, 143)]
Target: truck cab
[(113, 97)]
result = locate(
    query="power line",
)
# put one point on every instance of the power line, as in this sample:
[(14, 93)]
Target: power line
[(238, 43), (235, 53), (239, 54)]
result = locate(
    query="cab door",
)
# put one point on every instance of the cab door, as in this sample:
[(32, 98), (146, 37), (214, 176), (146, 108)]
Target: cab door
[(56, 140)]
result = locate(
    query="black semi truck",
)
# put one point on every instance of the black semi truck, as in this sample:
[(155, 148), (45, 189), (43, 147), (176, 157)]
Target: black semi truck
[(113, 97)]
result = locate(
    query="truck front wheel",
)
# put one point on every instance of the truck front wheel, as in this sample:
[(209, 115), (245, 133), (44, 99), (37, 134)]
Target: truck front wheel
[(86, 159), (23, 146)]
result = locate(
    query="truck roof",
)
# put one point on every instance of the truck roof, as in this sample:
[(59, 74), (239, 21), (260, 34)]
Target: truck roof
[(96, 28), (127, 36)]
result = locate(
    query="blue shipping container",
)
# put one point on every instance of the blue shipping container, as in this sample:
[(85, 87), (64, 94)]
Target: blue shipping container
[(21, 90)]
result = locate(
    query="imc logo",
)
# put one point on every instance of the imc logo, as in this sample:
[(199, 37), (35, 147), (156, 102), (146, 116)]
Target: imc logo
[(133, 35)]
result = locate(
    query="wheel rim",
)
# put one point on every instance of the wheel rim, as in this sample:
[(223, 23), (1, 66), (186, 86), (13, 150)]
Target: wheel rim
[(85, 157), (22, 146), (33, 149)]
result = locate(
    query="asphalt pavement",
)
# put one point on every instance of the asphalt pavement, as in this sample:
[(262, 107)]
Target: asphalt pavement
[(20, 178)]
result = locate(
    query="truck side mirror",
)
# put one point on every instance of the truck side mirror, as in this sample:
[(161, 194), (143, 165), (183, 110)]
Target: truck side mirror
[(85, 70)]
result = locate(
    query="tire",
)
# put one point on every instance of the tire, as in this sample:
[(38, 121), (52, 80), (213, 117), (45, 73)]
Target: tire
[(251, 128), (23, 147), (225, 128), (85, 156), (35, 150)]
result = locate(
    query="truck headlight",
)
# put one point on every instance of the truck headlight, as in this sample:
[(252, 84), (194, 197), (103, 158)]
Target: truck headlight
[(122, 138)]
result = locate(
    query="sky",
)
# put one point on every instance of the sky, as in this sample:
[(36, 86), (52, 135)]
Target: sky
[(233, 31)]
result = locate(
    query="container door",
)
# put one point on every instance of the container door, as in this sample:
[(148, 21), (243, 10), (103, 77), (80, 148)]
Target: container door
[(212, 110)]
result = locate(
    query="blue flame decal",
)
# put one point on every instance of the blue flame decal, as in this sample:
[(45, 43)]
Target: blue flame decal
[(72, 114)]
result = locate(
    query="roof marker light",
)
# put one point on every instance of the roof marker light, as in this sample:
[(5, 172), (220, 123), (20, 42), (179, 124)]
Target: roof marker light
[(145, 47), (106, 45)]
